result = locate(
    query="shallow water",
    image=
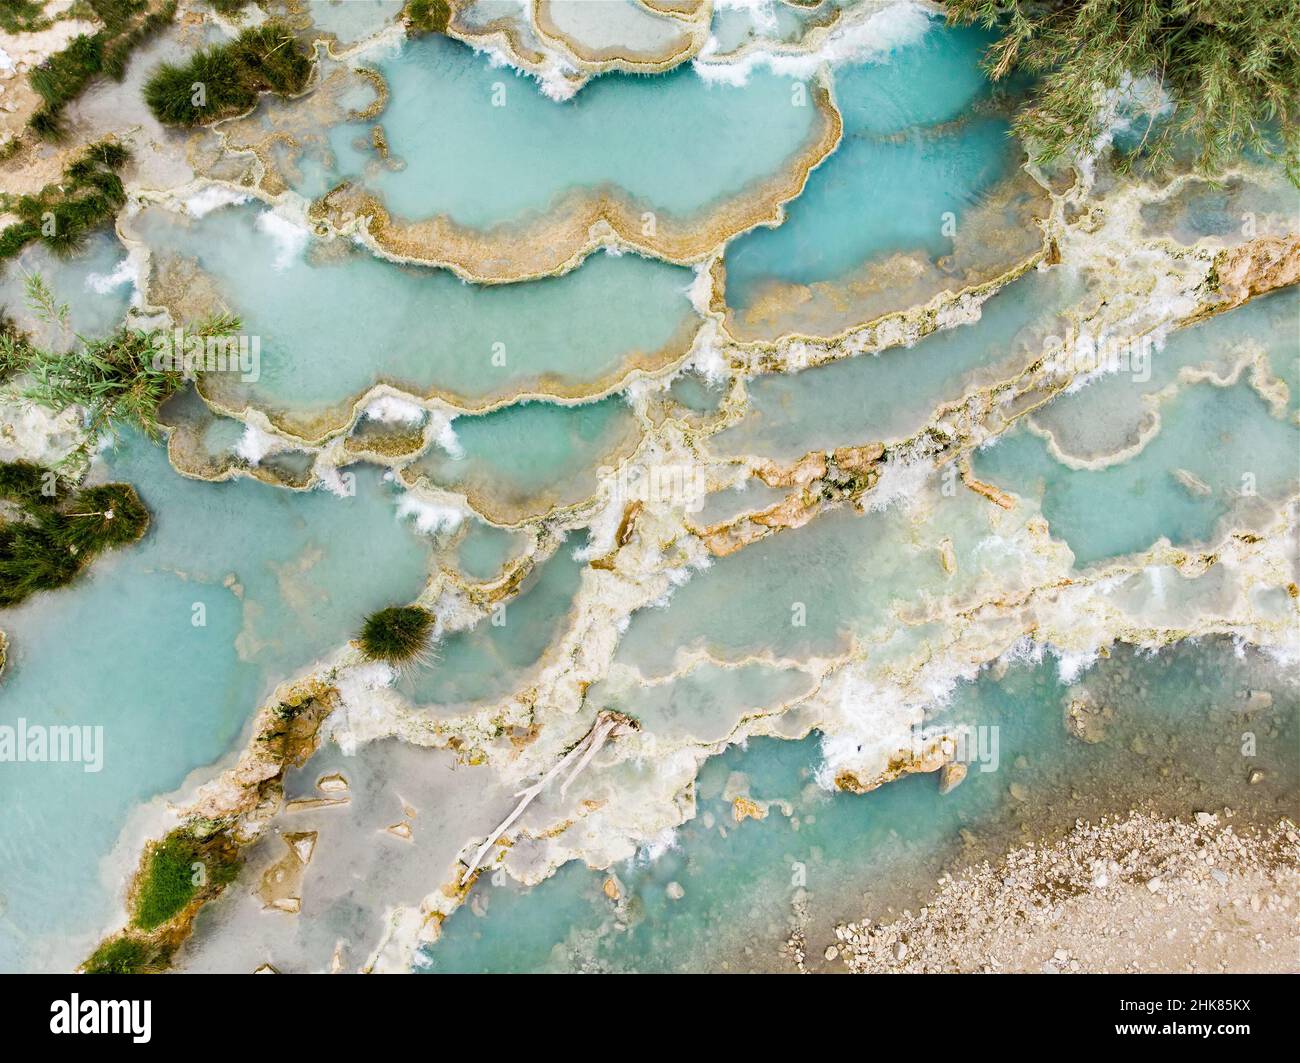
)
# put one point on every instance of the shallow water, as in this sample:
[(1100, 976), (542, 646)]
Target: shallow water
[(235, 588), (1174, 745), (817, 634), (335, 321), (917, 160), (517, 151)]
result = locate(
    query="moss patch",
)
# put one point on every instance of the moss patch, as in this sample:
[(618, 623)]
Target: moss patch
[(426, 16), (128, 954), (55, 532), (178, 871), (62, 215)]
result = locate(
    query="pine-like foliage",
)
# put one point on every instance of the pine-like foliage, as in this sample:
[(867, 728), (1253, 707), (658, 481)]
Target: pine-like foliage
[(1231, 67)]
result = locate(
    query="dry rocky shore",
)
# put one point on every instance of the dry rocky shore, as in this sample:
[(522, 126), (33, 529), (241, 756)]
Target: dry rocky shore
[(1131, 894)]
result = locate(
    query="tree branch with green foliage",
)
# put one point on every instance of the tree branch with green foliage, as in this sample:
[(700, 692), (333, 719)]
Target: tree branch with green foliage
[(53, 533), (1230, 67), (117, 379)]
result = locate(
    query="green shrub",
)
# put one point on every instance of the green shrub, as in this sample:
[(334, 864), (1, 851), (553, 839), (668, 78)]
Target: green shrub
[(22, 16), (102, 517), (397, 634), (226, 79), (427, 16), (1231, 67), (57, 535), (229, 7), (25, 484)]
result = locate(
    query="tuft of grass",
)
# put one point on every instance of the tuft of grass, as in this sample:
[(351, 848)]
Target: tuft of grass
[(1230, 67), (14, 344), (22, 16), (128, 954), (399, 634), (63, 215), (176, 871), (426, 16), (114, 378), (226, 79), (65, 75)]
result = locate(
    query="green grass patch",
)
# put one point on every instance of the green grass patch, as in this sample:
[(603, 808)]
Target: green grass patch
[(228, 8), (179, 869), (426, 16), (397, 634), (65, 75), (63, 215), (22, 16), (226, 79), (118, 379), (128, 954)]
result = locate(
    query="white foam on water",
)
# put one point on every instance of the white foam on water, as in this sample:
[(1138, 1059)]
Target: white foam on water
[(290, 238), (254, 444), (857, 39), (429, 518), (214, 197), (447, 439), (389, 409), (125, 272)]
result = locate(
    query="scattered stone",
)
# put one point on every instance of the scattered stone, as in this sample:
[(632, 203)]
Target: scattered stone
[(951, 776), (675, 891), (743, 808)]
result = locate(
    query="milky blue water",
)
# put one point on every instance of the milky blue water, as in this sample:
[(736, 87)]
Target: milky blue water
[(1225, 437), (491, 659), (515, 151), (120, 649), (332, 322), (913, 151), (172, 643)]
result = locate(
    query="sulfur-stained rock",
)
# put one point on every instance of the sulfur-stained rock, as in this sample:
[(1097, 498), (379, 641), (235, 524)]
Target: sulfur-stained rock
[(951, 776)]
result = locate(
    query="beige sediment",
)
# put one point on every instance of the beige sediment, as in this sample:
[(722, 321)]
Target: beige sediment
[(987, 253), (580, 223), (1126, 894), (693, 27)]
